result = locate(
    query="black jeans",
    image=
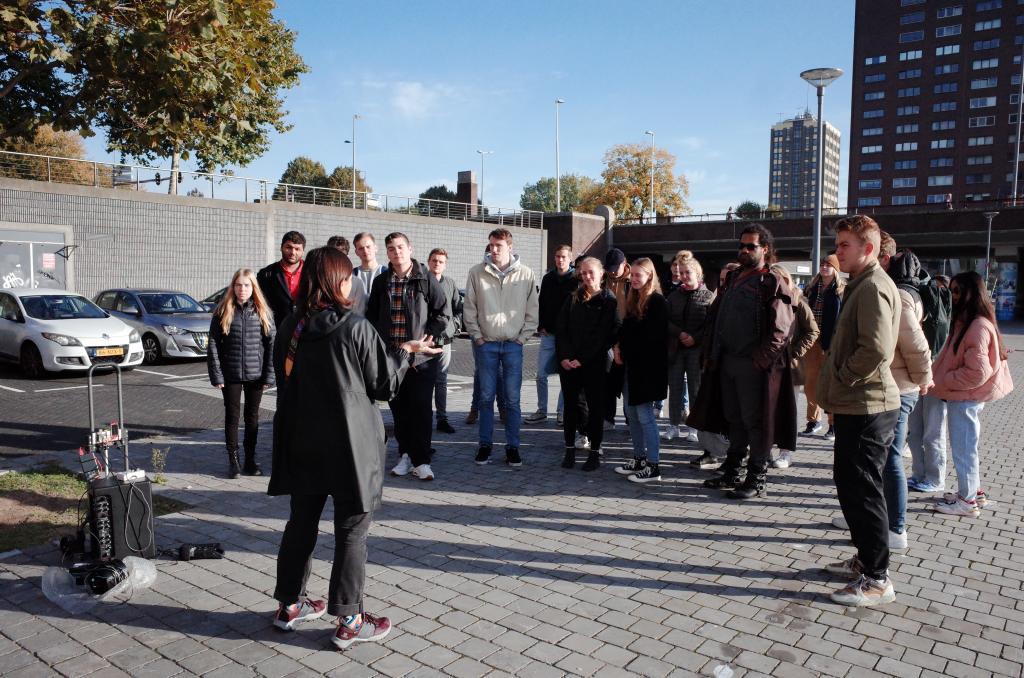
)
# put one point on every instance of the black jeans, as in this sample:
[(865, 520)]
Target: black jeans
[(232, 403), (743, 407), (862, 446), (295, 557), (614, 379), (411, 410), (583, 390)]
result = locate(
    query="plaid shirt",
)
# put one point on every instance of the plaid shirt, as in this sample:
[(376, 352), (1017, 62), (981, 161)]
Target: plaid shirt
[(399, 332), (818, 310)]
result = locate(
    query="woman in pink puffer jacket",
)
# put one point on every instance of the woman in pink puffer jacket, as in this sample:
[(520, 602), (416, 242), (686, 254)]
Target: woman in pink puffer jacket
[(970, 371)]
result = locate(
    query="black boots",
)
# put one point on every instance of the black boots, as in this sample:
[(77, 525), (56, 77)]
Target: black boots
[(234, 468), (754, 485), (593, 461), (251, 468), (569, 460), (728, 477)]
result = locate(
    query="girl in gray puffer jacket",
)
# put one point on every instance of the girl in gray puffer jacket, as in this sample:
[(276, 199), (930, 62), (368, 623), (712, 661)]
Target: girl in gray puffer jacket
[(240, 360)]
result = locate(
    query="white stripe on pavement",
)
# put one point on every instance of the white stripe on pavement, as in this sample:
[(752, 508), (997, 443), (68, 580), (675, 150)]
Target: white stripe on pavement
[(64, 388), (11, 388), (159, 374)]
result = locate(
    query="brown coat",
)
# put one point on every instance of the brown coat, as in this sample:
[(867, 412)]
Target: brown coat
[(771, 356), (804, 336)]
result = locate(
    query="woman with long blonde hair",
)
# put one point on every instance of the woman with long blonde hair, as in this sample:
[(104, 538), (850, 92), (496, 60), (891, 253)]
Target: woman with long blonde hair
[(641, 348), (240, 360)]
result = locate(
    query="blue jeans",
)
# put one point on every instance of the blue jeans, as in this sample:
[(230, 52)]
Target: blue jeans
[(894, 480), (547, 364), (499, 360), (643, 428), (476, 387), (927, 438), (441, 384), (964, 432)]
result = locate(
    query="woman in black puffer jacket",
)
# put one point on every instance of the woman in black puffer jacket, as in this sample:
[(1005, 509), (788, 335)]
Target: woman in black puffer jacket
[(240, 360)]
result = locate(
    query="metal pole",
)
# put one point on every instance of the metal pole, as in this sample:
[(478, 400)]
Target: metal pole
[(558, 169), (481, 183), (355, 117), (1020, 103), (989, 216), (818, 180), (653, 213)]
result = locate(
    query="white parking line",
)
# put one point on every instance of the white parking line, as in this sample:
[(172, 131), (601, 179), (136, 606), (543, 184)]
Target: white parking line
[(11, 388), (64, 388), (159, 374), (187, 376)]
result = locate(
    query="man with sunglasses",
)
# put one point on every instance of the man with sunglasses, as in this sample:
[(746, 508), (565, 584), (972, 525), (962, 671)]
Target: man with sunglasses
[(747, 389)]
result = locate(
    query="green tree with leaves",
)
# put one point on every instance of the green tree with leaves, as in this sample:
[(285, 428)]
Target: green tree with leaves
[(542, 195), (626, 183), (749, 209)]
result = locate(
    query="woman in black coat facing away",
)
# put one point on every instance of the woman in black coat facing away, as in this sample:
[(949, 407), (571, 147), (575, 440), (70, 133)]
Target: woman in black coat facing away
[(329, 441), (239, 360), (586, 328)]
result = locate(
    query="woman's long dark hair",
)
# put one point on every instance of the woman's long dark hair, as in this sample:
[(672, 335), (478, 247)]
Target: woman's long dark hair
[(974, 302), (323, 273)]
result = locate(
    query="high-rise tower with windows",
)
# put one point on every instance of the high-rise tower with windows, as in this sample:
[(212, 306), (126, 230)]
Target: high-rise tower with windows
[(794, 157)]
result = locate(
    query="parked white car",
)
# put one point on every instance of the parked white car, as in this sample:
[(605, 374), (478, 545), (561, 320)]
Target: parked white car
[(52, 330)]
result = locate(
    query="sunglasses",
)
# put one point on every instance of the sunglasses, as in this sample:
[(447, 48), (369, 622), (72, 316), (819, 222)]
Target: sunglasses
[(749, 246)]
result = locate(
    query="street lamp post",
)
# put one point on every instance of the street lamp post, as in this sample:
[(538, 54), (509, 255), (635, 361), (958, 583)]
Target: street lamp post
[(652, 174), (558, 170), (989, 216), (355, 116), (820, 78), (482, 154)]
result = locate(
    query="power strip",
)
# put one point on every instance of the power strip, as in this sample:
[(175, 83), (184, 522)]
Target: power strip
[(130, 476)]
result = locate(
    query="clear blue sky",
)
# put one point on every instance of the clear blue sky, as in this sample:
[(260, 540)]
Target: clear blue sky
[(434, 81)]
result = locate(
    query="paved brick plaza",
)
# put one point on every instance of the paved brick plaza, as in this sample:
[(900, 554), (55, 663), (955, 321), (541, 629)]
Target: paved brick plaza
[(540, 571)]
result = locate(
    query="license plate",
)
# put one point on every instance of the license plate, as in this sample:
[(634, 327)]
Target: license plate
[(112, 350)]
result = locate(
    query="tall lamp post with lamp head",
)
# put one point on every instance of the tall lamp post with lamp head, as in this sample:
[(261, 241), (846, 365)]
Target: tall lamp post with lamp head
[(482, 154), (820, 78), (653, 213), (558, 169)]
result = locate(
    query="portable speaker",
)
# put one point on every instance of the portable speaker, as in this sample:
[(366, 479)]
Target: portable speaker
[(121, 518)]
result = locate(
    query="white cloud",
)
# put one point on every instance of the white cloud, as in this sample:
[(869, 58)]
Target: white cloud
[(417, 100)]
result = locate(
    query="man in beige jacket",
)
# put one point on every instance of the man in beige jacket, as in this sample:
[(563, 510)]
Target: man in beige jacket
[(857, 385), (500, 314)]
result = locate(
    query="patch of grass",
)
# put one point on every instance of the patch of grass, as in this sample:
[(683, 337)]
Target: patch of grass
[(42, 504)]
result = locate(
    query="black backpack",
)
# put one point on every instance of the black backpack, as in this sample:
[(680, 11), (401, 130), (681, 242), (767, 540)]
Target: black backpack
[(937, 303)]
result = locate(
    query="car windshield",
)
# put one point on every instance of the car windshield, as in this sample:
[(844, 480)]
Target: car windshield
[(170, 302), (61, 307)]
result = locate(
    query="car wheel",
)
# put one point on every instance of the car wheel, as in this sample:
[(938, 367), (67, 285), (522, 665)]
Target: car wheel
[(31, 362), (150, 349)]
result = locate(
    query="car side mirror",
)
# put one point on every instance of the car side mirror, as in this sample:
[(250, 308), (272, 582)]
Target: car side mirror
[(132, 308)]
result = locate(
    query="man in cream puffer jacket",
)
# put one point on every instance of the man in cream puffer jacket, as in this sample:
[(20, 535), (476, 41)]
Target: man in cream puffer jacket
[(500, 313)]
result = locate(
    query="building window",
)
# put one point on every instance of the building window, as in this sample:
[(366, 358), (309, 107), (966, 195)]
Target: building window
[(874, 77), (874, 60), (988, 25), (908, 110), (979, 64), (1012, 119), (979, 179), (936, 198), (981, 197), (940, 125), (911, 36), (904, 165), (870, 166), (904, 200), (987, 5), (912, 18), (984, 83), (909, 128), (908, 92), (869, 184), (904, 182), (946, 31), (949, 12), (943, 106), (1014, 98), (872, 149), (979, 141), (946, 50), (872, 201), (910, 55), (982, 121), (986, 44), (873, 96), (946, 69), (945, 87), (940, 162), (910, 73), (874, 113), (941, 180), (906, 146), (979, 160), (943, 143), (983, 102), (872, 132), (910, 3)]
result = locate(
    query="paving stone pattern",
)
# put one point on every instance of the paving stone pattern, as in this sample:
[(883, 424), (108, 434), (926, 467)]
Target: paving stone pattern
[(492, 571)]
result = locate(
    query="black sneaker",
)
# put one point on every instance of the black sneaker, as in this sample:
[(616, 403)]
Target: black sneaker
[(512, 457), (444, 427), (483, 456), (569, 460), (646, 474), (705, 461), (830, 434), (812, 428), (630, 467)]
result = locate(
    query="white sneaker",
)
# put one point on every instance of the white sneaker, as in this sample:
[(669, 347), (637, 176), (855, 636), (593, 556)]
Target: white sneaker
[(905, 452), (840, 522), (691, 435), (582, 442), (958, 507), (671, 433), (783, 460), (865, 592), (423, 472), (897, 540), (403, 466)]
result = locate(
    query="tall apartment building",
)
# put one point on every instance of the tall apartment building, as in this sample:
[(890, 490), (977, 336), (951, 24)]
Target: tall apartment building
[(794, 160), (935, 92)]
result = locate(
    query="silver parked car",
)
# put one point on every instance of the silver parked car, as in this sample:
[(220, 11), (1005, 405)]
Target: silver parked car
[(172, 324)]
